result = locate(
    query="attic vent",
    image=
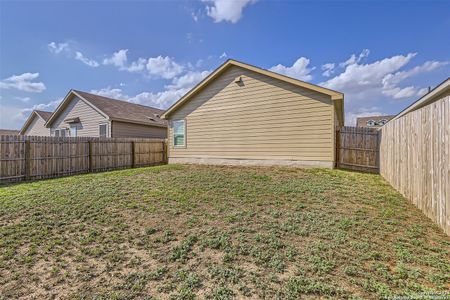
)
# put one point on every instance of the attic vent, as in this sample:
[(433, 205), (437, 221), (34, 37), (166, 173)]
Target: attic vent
[(238, 79)]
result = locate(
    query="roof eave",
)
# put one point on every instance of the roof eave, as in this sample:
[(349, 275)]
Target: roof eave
[(28, 121), (63, 102)]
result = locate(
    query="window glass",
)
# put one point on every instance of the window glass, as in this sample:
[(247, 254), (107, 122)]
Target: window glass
[(179, 133), (62, 132), (73, 131), (103, 130), (57, 132)]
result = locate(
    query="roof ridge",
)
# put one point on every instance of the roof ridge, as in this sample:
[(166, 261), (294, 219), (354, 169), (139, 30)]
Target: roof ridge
[(113, 99)]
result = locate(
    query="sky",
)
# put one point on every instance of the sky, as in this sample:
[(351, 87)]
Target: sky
[(383, 55)]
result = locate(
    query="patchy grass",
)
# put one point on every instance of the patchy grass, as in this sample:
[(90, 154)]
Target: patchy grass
[(185, 232)]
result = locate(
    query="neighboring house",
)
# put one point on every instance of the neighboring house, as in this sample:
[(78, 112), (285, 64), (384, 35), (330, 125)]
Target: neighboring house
[(9, 132), (372, 121), (35, 124), (85, 114), (241, 114)]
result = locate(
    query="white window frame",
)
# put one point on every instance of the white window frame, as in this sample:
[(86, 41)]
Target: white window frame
[(106, 130), (73, 128), (184, 133), (56, 133), (61, 131)]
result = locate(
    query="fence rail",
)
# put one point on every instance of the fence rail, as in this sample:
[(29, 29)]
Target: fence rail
[(415, 159), (357, 148), (38, 157)]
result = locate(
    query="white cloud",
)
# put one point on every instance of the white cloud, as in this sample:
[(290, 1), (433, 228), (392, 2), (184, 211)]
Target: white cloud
[(109, 92), (23, 82), (137, 66), (355, 59), (376, 83), (58, 47), (299, 69), (174, 91), (89, 62), (23, 99), (164, 67), (188, 80), (118, 59), (422, 92), (159, 99), (50, 106), (328, 69), (226, 10), (67, 47), (195, 16), (390, 82), (224, 55), (356, 76)]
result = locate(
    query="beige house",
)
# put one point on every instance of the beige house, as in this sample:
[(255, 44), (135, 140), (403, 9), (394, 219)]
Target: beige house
[(35, 124), (241, 114), (373, 121), (85, 114)]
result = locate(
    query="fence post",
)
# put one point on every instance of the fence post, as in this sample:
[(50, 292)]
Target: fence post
[(27, 159), (132, 154), (337, 141), (165, 149), (90, 156)]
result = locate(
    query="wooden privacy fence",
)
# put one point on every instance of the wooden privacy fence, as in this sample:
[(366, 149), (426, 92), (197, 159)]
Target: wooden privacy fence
[(415, 159), (357, 148), (38, 157)]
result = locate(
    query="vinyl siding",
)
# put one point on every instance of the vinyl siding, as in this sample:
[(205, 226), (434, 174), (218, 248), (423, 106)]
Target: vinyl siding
[(263, 118), (37, 127), (89, 119), (123, 129)]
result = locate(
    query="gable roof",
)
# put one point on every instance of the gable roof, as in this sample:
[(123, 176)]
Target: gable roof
[(231, 62), (114, 109), (426, 99), (44, 115)]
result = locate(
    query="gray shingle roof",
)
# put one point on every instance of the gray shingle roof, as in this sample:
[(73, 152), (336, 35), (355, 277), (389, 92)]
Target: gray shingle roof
[(44, 114), (125, 111)]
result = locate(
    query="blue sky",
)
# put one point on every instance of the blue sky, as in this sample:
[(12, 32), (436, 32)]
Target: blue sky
[(382, 54)]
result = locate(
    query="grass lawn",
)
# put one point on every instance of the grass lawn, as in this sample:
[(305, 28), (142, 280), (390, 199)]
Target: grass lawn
[(185, 232)]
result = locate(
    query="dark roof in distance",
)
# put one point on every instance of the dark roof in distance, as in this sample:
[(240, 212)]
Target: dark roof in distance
[(9, 132), (125, 111), (362, 121)]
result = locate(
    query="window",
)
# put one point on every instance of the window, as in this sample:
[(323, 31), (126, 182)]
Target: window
[(56, 132), (73, 131), (371, 123), (103, 130), (179, 133), (62, 132)]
